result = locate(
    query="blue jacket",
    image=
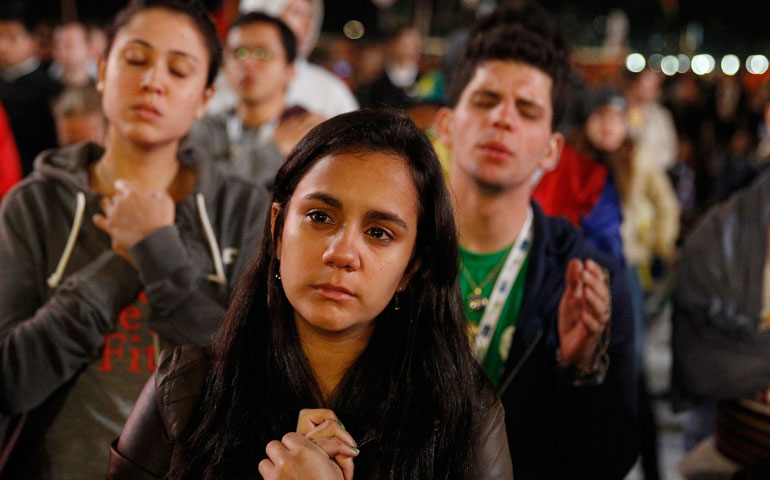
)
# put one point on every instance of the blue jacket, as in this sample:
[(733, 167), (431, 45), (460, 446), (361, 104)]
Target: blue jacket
[(583, 190), (557, 429)]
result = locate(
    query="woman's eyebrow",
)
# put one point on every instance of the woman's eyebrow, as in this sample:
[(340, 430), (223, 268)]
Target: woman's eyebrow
[(186, 55), (175, 52), (372, 214), (140, 42), (387, 217), (327, 199)]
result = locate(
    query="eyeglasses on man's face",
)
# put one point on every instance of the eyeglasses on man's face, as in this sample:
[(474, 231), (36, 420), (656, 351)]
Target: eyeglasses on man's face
[(258, 53)]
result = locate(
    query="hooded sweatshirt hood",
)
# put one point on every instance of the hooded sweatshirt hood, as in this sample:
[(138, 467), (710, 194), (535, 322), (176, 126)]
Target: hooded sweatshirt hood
[(69, 166)]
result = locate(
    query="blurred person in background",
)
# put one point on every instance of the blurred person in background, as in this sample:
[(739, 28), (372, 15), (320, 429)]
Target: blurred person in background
[(43, 34), (651, 125), (649, 228), (253, 139), (78, 116), (25, 89), (73, 65), (720, 343), (747, 154), (109, 254), (763, 147), (368, 63), (581, 187), (393, 88), (650, 210), (313, 87), (97, 41)]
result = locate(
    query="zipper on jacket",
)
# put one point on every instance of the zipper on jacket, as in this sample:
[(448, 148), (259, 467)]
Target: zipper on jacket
[(520, 363)]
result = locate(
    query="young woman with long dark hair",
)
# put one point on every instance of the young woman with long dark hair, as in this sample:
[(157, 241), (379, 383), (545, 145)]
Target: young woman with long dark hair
[(349, 309), (109, 254)]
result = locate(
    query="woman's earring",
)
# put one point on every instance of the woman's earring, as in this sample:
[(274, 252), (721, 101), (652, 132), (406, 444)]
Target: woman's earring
[(278, 273), (100, 86), (396, 306)]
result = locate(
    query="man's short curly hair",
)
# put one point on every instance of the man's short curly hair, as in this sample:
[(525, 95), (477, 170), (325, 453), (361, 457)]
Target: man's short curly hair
[(525, 34)]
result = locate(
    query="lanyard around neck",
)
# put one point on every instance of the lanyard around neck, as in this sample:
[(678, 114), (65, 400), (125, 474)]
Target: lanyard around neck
[(503, 286)]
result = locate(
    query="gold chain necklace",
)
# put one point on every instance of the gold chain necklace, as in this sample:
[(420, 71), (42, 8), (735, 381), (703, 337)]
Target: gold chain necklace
[(476, 299)]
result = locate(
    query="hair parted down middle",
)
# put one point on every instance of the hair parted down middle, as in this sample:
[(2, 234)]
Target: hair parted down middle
[(415, 383)]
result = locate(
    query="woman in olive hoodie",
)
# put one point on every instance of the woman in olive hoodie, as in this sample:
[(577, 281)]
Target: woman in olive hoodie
[(107, 255)]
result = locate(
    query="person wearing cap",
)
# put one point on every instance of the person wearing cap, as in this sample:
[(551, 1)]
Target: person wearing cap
[(649, 207), (582, 188)]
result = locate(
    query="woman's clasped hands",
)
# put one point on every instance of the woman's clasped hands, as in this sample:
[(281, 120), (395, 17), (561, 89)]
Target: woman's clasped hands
[(132, 214), (320, 449)]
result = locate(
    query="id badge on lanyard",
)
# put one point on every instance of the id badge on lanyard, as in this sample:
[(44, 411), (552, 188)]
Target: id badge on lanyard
[(503, 286)]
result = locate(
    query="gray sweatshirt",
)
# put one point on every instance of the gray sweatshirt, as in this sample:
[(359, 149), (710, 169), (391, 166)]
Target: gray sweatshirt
[(238, 150), (80, 327)]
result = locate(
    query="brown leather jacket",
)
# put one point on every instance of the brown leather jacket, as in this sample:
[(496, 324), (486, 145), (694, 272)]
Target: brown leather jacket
[(166, 403)]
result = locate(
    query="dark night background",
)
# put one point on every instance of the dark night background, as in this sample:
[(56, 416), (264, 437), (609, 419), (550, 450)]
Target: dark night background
[(655, 25)]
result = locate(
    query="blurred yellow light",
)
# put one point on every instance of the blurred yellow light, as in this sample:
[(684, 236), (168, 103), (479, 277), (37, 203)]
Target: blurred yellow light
[(353, 29)]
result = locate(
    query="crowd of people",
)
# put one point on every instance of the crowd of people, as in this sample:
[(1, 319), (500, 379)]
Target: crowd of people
[(230, 274)]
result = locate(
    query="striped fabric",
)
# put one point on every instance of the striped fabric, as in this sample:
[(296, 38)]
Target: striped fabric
[(743, 431)]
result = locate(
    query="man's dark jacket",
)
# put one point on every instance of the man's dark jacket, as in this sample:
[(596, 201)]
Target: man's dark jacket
[(557, 428)]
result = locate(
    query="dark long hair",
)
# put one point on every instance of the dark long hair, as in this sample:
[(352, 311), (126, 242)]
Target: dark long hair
[(415, 383)]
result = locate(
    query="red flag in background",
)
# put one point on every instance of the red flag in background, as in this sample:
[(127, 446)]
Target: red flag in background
[(224, 12), (10, 169)]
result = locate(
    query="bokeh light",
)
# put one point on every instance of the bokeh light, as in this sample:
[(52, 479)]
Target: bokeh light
[(654, 61), (703, 64), (353, 29), (730, 64), (669, 65), (757, 64), (635, 62)]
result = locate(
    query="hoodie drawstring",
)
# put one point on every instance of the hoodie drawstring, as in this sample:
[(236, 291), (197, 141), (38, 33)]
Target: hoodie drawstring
[(80, 208), (219, 277)]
